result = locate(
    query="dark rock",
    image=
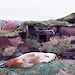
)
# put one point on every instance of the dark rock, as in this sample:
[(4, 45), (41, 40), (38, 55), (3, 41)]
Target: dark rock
[(68, 31), (7, 57), (18, 54), (4, 42), (1, 56)]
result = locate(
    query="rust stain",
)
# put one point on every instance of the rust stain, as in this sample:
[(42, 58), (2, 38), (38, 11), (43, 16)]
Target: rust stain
[(12, 63)]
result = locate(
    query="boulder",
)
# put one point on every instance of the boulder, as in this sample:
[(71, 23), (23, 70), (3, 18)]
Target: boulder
[(9, 25), (68, 31), (6, 41), (15, 41)]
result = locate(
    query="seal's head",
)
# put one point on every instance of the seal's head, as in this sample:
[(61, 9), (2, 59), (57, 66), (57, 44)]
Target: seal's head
[(3, 65)]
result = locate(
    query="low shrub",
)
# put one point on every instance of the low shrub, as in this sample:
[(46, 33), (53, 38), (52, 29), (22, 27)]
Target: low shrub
[(33, 23), (57, 45), (20, 28), (9, 33), (33, 43), (55, 23), (8, 51), (1, 32)]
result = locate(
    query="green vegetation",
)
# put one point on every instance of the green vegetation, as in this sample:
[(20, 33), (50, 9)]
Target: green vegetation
[(52, 68), (33, 43), (20, 28), (8, 51), (65, 21), (55, 23), (39, 69), (33, 23), (56, 45), (70, 18), (46, 23), (1, 32), (9, 33)]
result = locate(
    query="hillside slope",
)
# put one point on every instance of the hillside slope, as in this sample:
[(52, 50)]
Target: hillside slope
[(69, 18)]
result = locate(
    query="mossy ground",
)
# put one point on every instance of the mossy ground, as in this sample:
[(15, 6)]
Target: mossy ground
[(51, 68)]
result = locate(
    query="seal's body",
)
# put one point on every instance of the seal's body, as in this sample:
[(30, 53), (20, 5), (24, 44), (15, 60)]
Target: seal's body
[(29, 60)]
